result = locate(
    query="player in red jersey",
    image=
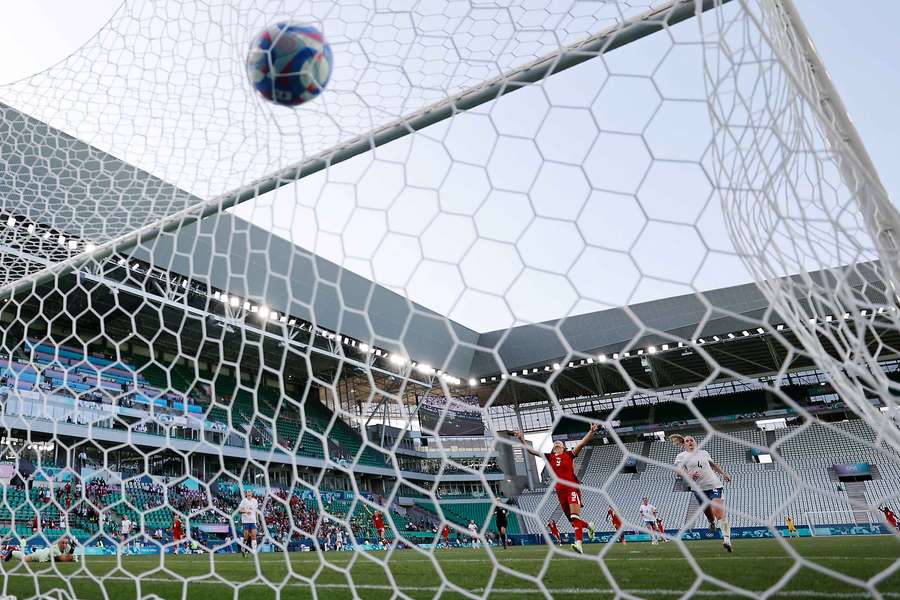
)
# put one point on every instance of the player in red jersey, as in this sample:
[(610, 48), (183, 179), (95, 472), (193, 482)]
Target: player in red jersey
[(554, 531), (446, 535), (378, 521), (661, 529), (890, 517), (568, 489), (617, 524), (177, 534)]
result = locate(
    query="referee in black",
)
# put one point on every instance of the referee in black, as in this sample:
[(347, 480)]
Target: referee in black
[(501, 515)]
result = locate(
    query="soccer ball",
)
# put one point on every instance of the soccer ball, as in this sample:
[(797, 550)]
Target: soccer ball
[(289, 63)]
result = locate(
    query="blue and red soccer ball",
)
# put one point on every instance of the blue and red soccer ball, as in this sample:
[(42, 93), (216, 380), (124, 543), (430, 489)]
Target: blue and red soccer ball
[(289, 63)]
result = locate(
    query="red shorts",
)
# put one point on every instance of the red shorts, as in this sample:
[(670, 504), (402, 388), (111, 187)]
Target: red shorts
[(178, 535), (617, 524), (568, 496), (381, 531)]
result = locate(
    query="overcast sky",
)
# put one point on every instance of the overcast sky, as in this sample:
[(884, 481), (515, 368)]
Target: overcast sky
[(542, 204)]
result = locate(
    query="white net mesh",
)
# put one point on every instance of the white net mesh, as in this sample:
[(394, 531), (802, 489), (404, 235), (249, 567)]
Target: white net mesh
[(523, 216)]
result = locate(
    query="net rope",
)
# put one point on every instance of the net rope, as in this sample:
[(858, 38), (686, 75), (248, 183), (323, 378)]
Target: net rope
[(190, 314)]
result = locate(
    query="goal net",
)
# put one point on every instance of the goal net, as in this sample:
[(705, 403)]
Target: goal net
[(655, 217), (831, 522)]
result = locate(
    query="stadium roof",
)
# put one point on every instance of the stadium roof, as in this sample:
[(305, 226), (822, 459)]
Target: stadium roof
[(43, 183)]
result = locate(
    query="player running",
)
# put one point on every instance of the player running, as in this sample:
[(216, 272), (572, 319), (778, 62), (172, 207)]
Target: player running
[(791, 527), (473, 531), (445, 533), (177, 534), (554, 531), (126, 526), (61, 551), (249, 510), (648, 518), (502, 515), (697, 467), (661, 529), (617, 525), (568, 489)]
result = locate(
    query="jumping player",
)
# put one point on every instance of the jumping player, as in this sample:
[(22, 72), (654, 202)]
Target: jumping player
[(502, 515), (648, 518), (445, 533), (249, 509), (697, 467), (890, 517), (617, 525), (61, 551), (707, 508), (791, 527), (378, 521), (568, 489), (554, 531)]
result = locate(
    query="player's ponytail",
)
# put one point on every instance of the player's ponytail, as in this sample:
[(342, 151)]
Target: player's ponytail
[(677, 439)]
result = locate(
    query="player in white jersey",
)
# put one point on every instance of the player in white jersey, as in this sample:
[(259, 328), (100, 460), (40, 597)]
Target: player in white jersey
[(648, 518), (126, 526), (249, 510), (61, 551), (697, 469), (473, 531)]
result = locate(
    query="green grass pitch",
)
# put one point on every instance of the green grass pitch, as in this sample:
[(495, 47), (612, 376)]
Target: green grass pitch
[(640, 569)]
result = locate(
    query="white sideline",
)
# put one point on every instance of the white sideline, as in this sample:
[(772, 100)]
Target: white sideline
[(448, 589)]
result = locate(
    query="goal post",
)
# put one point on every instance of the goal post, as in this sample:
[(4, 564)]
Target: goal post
[(819, 523)]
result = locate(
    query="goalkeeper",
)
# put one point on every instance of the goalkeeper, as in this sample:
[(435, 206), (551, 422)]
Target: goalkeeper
[(61, 551)]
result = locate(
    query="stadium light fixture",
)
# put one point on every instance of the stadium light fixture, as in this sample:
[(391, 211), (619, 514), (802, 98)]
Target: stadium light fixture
[(73, 244), (615, 356), (651, 350), (665, 347), (556, 367), (601, 358), (779, 327), (31, 229), (731, 336), (397, 360), (473, 383), (745, 333), (760, 330), (717, 338), (263, 311), (363, 347), (11, 222), (235, 301)]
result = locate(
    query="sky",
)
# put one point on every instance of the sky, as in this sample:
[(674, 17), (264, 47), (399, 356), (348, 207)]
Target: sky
[(542, 204)]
